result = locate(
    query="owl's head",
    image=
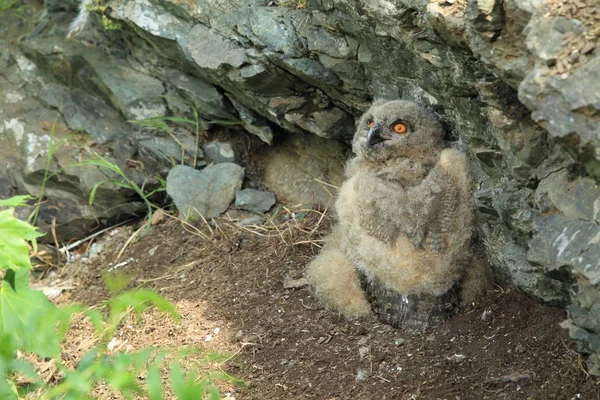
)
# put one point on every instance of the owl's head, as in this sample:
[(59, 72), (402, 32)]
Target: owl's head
[(396, 128)]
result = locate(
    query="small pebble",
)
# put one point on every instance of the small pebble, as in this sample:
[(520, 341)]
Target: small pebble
[(362, 374), (364, 351), (457, 358)]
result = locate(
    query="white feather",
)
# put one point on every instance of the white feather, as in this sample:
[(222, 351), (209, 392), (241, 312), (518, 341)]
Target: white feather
[(79, 23)]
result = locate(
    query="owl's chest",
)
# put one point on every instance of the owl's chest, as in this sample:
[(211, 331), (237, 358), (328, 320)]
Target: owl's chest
[(391, 184)]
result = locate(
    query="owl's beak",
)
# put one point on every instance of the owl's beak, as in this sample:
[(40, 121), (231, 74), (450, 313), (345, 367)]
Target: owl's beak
[(375, 135)]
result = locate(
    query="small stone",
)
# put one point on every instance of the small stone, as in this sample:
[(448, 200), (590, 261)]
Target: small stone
[(254, 200), (152, 251), (295, 283), (253, 220), (362, 341), (239, 335), (364, 351), (399, 342), (588, 47), (324, 339), (457, 358), (221, 152), (520, 348), (362, 374)]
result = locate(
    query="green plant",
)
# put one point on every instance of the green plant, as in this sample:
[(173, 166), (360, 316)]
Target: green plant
[(121, 178), (32, 325), (53, 146), (123, 181)]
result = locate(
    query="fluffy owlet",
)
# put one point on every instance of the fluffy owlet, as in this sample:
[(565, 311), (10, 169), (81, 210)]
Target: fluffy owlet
[(405, 222)]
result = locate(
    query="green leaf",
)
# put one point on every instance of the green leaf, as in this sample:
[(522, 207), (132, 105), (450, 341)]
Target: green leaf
[(116, 282), (177, 380), (154, 384), (178, 119), (8, 347), (8, 391), (14, 253), (214, 392), (15, 201), (96, 320), (122, 184), (139, 300), (29, 317), (88, 359), (26, 369), (73, 381), (93, 192), (120, 376)]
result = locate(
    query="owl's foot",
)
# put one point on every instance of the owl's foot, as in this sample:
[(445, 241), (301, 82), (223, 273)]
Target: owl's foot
[(335, 282), (409, 312)]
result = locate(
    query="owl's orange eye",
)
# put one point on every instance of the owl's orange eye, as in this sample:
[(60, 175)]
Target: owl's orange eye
[(371, 123), (399, 128)]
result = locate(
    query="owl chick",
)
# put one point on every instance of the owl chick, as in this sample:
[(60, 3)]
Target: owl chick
[(405, 218)]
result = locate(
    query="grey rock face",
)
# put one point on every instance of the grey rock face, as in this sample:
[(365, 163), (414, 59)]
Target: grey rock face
[(36, 141), (254, 200), (207, 100), (560, 242), (212, 51), (208, 192), (136, 95), (563, 88)]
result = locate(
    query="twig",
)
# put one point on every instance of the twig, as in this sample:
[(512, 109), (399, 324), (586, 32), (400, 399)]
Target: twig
[(190, 226), (128, 242), (129, 260), (100, 232), (305, 306), (326, 184), (212, 233)]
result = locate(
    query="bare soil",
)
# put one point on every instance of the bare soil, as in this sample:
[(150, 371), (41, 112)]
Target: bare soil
[(230, 283)]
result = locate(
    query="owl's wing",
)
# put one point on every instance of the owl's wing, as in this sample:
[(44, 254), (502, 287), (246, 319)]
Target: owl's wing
[(451, 209)]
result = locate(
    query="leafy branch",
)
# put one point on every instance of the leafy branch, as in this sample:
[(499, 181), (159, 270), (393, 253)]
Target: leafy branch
[(31, 324)]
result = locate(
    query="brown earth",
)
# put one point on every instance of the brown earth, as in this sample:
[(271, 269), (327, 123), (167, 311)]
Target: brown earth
[(286, 346)]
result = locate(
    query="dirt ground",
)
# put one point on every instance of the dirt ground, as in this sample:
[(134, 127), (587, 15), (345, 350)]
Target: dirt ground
[(238, 291)]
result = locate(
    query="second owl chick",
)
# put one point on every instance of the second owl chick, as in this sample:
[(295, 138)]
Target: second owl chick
[(405, 218)]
